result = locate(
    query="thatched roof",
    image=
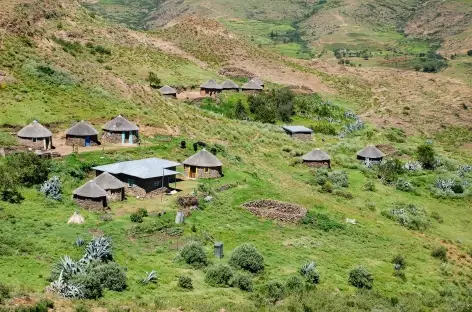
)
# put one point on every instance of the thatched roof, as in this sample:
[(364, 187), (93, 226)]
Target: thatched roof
[(229, 85), (371, 152), (257, 81), (251, 85), (82, 129), (166, 90), (34, 130), (108, 182), (120, 124), (76, 218), (211, 84), (90, 190), (316, 155), (203, 159)]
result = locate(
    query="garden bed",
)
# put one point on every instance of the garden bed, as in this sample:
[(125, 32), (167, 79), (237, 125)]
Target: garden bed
[(276, 210)]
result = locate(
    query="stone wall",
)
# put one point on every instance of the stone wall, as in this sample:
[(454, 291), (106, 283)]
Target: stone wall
[(205, 173), (116, 137), (38, 145), (317, 164), (80, 141), (91, 204), (136, 191), (116, 195), (302, 136), (276, 210)]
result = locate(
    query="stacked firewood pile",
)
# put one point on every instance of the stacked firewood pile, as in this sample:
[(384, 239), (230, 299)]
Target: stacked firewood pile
[(187, 201), (276, 210)]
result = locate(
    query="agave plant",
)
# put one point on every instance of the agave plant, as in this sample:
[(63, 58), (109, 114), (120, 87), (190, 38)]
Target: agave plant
[(98, 249), (413, 166), (151, 277), (52, 188), (65, 289), (79, 241), (67, 268), (307, 268)]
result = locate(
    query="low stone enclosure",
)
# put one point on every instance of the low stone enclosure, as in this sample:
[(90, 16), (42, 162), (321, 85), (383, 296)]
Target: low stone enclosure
[(276, 210)]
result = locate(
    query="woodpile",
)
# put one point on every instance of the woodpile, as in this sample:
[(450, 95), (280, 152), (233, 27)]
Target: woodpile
[(187, 201), (276, 210)]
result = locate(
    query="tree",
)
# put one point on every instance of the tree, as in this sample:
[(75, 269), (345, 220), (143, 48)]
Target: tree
[(361, 278), (247, 257), (263, 110), (9, 186), (426, 156), (469, 53), (154, 81), (240, 111), (28, 168)]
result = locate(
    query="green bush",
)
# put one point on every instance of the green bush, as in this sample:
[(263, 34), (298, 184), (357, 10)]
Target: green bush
[(327, 187), (185, 282), (136, 218), (91, 286), (247, 257), (409, 216), (339, 178), (440, 253), (320, 176), (294, 284), (111, 275), (242, 281), (399, 262), (404, 185), (469, 53), (361, 278), (321, 221), (275, 291), (324, 127), (426, 156), (369, 186), (142, 212), (4, 292), (28, 168), (389, 170), (219, 275), (194, 255)]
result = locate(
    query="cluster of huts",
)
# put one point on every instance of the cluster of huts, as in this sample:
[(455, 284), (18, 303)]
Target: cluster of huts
[(211, 87), (142, 178), (117, 130), (319, 158)]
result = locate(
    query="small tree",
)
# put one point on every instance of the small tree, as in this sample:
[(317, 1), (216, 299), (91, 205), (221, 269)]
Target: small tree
[(247, 257), (469, 53), (185, 282), (426, 156), (154, 81), (219, 275), (361, 278), (194, 255), (240, 111)]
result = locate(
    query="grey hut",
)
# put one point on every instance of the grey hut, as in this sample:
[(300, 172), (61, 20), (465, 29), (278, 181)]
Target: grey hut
[(168, 91), (229, 85), (113, 186), (372, 153), (299, 132), (82, 134), (120, 130), (35, 136), (317, 158), (203, 165), (258, 82), (210, 87), (251, 87), (90, 196)]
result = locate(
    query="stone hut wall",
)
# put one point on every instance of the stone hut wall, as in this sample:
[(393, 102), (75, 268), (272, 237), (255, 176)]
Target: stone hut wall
[(317, 164), (91, 203), (252, 91), (205, 173), (302, 136), (38, 145), (80, 141), (136, 191), (377, 160), (116, 195), (117, 137)]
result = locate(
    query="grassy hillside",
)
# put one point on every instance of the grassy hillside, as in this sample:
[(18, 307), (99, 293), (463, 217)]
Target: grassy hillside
[(62, 63)]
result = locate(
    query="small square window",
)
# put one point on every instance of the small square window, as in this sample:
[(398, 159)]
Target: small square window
[(130, 182), (34, 140), (207, 170)]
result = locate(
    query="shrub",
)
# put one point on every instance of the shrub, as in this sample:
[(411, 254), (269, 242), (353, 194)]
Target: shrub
[(327, 187), (111, 275), (275, 291), (404, 186), (389, 170), (469, 53), (242, 281), (308, 270), (399, 262), (4, 293), (435, 215), (294, 284), (321, 221), (369, 185), (247, 257), (142, 212), (440, 253), (185, 282), (91, 286), (52, 188), (136, 218), (153, 80), (339, 178), (219, 275), (324, 127), (426, 156), (28, 168), (409, 216), (194, 255), (361, 278), (370, 205), (320, 176)]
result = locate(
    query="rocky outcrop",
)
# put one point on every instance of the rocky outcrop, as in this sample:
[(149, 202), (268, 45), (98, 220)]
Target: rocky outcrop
[(276, 210)]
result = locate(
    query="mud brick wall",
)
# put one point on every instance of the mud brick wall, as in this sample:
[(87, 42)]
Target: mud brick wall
[(38, 145), (134, 191), (302, 136), (116, 137), (116, 195), (80, 141), (212, 173), (91, 204), (317, 164)]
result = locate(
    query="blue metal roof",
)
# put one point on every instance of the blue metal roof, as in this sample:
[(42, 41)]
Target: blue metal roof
[(143, 168)]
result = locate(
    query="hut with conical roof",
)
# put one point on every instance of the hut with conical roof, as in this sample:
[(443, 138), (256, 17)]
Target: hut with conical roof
[(251, 87), (168, 91), (229, 85), (317, 158), (120, 130), (210, 87), (35, 136), (112, 185), (372, 153), (76, 218), (82, 134), (203, 165), (258, 82), (91, 196)]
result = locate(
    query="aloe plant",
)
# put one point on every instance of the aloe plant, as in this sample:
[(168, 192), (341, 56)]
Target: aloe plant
[(151, 277), (307, 268), (99, 249), (79, 241)]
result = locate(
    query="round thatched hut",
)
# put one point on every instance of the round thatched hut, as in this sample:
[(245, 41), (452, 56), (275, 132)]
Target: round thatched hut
[(90, 196), (258, 82), (112, 185), (210, 87), (120, 130), (229, 85), (251, 87), (203, 165), (317, 158), (82, 134), (35, 136), (168, 91), (372, 153)]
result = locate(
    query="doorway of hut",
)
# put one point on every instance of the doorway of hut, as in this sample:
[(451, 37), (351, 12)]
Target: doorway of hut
[(87, 141), (192, 172)]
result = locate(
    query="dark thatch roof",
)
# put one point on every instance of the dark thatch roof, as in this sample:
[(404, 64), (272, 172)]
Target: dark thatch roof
[(251, 85), (166, 90), (120, 124), (108, 182), (371, 152), (34, 130), (229, 85), (203, 159), (211, 84), (90, 190), (316, 155), (257, 81), (82, 129)]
